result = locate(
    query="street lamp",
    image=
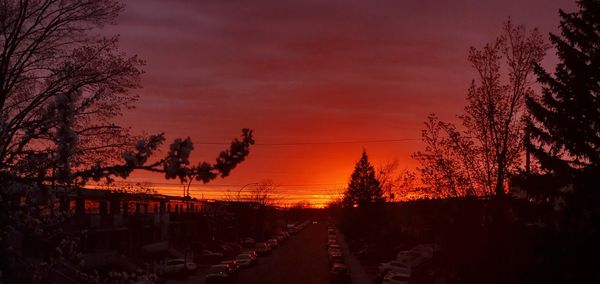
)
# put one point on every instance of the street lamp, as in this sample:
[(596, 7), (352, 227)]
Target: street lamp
[(242, 188)]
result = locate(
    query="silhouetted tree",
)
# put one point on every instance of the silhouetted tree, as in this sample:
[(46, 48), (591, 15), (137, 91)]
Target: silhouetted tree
[(495, 112), (478, 159), (447, 163), (62, 86), (263, 194), (565, 125), (363, 189), (397, 184), (565, 139), (408, 187), (300, 205), (389, 179)]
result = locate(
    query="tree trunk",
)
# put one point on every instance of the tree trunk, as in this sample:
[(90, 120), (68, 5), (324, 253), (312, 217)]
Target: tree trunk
[(527, 139), (499, 190)]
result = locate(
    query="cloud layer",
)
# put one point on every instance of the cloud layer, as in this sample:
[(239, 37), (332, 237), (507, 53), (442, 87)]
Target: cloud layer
[(308, 70)]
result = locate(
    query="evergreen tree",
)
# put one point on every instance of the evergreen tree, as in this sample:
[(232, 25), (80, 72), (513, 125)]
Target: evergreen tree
[(364, 188), (565, 125), (565, 139)]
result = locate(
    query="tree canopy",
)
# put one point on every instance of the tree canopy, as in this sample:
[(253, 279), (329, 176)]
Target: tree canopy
[(565, 120), (477, 158), (62, 86)]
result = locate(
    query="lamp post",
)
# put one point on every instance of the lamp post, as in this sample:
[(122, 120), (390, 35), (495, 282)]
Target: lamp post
[(240, 209), (242, 188)]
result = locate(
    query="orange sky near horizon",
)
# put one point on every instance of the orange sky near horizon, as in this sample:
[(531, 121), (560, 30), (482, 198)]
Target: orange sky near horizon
[(324, 172), (299, 72)]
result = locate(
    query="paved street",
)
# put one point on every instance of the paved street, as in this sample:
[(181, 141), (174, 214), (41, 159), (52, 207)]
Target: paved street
[(302, 259)]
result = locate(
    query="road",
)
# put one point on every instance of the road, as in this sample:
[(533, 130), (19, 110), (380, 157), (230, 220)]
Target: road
[(301, 259)]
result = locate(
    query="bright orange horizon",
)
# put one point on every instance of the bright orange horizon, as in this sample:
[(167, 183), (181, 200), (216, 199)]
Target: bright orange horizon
[(302, 72), (325, 174)]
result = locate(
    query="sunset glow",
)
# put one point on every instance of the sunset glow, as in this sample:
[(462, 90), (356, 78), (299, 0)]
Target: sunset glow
[(302, 73), (299, 141)]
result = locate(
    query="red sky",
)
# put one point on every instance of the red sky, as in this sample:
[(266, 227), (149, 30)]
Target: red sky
[(308, 71)]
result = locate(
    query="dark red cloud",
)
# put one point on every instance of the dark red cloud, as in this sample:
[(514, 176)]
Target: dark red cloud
[(310, 71)]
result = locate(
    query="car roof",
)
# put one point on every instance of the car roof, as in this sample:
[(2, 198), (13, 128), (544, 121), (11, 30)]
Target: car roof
[(397, 261), (395, 274), (220, 268), (219, 265)]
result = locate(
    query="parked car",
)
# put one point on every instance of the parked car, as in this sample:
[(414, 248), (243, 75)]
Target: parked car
[(394, 266), (218, 274), (235, 246), (245, 259), (280, 238), (292, 229), (248, 242), (334, 248), (411, 258), (250, 252), (179, 265), (232, 265), (211, 253), (416, 255), (396, 278), (211, 257), (336, 256), (262, 248), (226, 249), (339, 274)]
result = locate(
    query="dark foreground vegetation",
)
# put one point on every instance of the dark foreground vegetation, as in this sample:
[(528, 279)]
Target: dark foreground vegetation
[(479, 240), (514, 192)]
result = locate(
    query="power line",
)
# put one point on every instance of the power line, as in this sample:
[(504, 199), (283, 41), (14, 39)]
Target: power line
[(276, 191), (317, 142), (232, 185), (336, 142)]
